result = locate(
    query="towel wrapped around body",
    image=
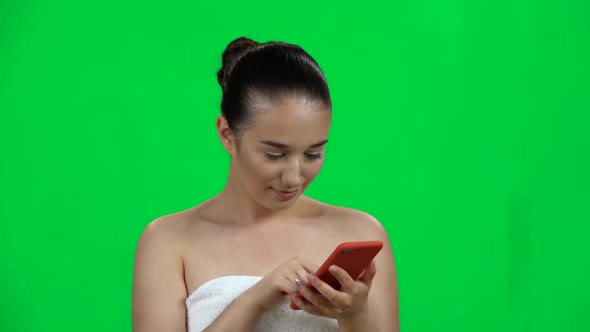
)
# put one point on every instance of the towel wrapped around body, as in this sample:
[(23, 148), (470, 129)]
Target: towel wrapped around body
[(208, 301)]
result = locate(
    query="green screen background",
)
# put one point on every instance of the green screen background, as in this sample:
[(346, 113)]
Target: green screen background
[(463, 126)]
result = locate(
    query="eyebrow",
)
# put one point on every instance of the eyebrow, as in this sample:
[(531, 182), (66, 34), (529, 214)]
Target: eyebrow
[(284, 146)]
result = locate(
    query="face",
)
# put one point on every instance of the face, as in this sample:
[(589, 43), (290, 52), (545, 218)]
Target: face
[(281, 153)]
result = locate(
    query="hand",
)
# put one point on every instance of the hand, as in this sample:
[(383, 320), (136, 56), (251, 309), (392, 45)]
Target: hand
[(280, 284), (349, 302)]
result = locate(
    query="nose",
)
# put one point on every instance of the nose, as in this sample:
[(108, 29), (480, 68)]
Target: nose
[(291, 175)]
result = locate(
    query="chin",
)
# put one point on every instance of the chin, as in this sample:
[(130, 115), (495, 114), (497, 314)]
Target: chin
[(285, 205), (277, 205)]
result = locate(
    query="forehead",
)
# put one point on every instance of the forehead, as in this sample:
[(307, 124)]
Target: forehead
[(294, 123)]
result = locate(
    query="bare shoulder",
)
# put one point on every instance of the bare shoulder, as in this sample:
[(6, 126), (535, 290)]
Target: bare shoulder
[(165, 228), (161, 235), (162, 239), (359, 219), (357, 222), (159, 290)]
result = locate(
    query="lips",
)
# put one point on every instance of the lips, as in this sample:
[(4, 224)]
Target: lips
[(286, 194)]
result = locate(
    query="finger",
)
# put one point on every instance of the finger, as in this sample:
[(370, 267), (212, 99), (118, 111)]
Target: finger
[(306, 306), (369, 273), (291, 282), (316, 298), (310, 267), (302, 267), (325, 290), (299, 301), (302, 274), (342, 276)]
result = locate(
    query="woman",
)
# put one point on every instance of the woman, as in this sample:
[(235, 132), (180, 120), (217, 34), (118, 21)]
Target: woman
[(234, 262)]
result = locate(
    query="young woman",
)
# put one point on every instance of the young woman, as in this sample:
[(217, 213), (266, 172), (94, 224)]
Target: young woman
[(234, 262)]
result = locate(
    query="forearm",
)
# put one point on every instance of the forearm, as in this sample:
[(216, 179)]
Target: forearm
[(240, 316)]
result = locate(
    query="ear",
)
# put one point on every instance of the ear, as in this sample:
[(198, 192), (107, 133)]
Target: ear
[(225, 135)]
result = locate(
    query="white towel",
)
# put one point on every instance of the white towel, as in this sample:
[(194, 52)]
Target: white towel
[(210, 299)]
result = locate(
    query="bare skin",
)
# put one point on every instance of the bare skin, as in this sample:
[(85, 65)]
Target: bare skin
[(248, 229)]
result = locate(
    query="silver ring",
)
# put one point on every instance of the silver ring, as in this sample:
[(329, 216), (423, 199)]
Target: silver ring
[(298, 282)]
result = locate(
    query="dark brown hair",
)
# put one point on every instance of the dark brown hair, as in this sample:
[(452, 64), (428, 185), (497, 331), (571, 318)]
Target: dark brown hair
[(254, 74)]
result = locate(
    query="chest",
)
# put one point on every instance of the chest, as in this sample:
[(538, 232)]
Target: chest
[(253, 251)]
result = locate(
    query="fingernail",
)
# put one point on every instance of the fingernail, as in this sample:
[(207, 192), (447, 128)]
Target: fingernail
[(333, 268), (311, 277)]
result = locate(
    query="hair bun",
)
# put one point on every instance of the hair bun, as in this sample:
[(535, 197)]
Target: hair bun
[(231, 54)]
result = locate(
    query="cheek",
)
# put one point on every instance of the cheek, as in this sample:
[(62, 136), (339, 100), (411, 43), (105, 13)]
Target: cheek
[(257, 170), (312, 171)]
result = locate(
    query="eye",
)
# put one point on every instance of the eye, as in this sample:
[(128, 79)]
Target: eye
[(313, 156), (273, 156)]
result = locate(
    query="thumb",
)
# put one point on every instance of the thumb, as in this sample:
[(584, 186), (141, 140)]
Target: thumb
[(369, 273)]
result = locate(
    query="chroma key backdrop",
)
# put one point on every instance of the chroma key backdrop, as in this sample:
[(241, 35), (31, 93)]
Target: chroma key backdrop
[(463, 126)]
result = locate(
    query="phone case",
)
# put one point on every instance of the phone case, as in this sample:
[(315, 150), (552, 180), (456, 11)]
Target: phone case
[(353, 257)]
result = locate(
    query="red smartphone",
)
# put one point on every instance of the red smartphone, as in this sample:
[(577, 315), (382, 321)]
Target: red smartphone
[(353, 257)]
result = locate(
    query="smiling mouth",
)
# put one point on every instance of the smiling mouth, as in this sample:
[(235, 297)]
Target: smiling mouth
[(286, 194), (286, 191)]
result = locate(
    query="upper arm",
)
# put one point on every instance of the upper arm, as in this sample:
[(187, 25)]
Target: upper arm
[(159, 291), (383, 297)]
